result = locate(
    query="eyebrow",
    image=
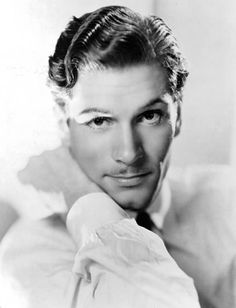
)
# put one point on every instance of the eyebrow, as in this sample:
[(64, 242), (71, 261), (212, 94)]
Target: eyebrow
[(95, 110), (101, 110), (153, 102)]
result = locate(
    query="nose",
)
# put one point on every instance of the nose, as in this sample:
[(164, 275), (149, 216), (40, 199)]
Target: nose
[(128, 147)]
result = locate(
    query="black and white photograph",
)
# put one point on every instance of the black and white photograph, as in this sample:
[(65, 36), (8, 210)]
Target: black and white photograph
[(118, 154)]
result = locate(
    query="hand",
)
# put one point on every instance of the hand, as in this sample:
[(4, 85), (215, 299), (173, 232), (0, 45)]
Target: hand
[(56, 171)]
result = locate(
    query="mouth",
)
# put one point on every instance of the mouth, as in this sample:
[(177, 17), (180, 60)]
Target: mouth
[(129, 180)]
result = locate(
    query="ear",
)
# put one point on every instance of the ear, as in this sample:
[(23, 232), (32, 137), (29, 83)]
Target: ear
[(178, 122)]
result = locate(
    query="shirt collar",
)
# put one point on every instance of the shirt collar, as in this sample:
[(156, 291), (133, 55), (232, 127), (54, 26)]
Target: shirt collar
[(159, 206)]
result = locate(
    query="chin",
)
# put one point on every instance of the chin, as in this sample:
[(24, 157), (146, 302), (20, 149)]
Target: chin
[(135, 198), (133, 201)]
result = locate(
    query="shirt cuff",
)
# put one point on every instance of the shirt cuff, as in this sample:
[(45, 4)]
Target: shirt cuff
[(91, 212)]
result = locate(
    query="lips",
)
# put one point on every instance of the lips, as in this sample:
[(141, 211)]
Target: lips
[(129, 179)]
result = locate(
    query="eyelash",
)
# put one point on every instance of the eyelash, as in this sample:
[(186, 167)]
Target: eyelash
[(160, 113), (92, 124)]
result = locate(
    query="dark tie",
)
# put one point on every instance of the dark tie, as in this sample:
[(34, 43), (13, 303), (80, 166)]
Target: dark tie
[(143, 219)]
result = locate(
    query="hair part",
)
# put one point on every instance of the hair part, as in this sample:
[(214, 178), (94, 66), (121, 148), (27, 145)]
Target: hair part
[(114, 37)]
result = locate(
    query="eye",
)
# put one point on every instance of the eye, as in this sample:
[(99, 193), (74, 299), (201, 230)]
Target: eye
[(99, 123), (151, 117)]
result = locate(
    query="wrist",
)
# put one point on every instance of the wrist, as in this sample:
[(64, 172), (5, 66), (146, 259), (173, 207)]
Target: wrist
[(91, 212)]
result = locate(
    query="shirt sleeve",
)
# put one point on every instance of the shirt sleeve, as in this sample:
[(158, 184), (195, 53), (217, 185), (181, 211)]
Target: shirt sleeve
[(120, 264), (101, 259)]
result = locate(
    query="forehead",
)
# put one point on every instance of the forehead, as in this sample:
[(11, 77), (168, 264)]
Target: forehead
[(113, 88)]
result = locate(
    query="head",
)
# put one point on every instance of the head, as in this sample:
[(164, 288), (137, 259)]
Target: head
[(118, 78)]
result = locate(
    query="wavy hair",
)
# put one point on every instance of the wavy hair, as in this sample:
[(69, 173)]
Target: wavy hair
[(114, 37)]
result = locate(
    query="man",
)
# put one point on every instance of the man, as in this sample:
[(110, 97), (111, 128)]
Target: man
[(118, 79), (120, 86)]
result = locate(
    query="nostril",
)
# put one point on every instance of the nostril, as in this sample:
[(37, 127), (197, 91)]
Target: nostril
[(129, 156)]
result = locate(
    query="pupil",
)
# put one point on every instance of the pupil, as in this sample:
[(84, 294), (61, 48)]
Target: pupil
[(98, 121), (149, 116)]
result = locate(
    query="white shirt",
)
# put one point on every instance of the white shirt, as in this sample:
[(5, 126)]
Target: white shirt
[(105, 260)]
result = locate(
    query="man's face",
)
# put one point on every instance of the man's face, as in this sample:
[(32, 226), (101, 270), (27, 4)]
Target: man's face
[(122, 125)]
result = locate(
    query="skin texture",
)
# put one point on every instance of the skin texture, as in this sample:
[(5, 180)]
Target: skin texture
[(122, 123)]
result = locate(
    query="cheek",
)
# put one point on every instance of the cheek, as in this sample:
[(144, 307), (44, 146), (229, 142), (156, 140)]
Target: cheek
[(88, 150), (158, 142)]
